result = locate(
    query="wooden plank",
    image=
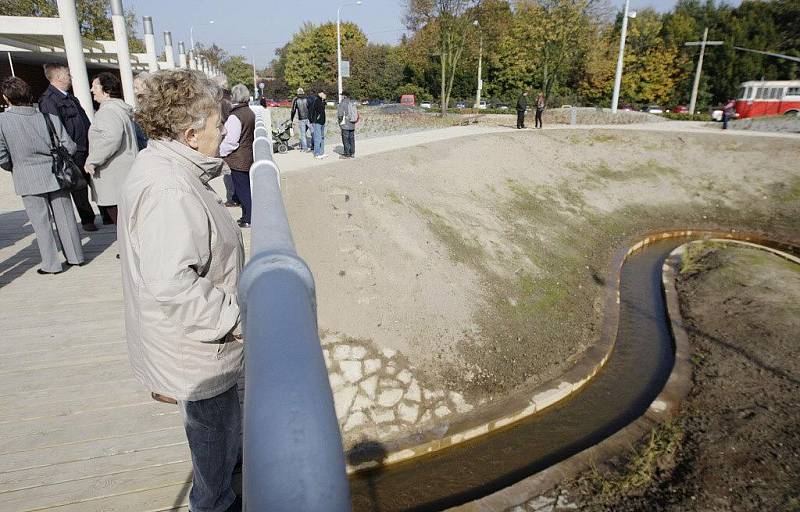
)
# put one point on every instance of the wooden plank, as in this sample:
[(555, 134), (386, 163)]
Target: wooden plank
[(91, 449)]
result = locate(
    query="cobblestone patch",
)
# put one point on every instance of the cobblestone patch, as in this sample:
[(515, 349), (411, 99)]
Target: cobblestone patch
[(377, 394), (557, 500)]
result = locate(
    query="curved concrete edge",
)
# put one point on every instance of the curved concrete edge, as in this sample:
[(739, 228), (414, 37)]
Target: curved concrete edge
[(667, 403), (506, 411)]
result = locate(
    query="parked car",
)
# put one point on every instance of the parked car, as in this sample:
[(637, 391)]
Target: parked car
[(269, 102), (627, 107), (501, 106), (330, 103), (408, 100), (375, 102), (483, 105), (654, 109), (425, 104), (680, 109), (461, 104), (284, 103)]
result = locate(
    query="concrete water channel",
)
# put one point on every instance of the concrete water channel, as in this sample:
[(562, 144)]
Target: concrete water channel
[(633, 377)]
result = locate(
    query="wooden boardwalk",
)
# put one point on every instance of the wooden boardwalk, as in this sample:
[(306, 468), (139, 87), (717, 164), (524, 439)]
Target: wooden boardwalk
[(77, 431)]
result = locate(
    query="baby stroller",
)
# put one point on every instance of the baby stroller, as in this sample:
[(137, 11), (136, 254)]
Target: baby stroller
[(281, 136)]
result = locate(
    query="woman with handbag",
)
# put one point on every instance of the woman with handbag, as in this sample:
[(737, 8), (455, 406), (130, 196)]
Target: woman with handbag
[(26, 150), (112, 142)]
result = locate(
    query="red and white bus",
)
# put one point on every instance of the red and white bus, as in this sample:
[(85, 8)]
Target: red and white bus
[(768, 98)]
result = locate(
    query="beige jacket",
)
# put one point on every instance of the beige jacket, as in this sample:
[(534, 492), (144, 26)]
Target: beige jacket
[(181, 255), (112, 149)]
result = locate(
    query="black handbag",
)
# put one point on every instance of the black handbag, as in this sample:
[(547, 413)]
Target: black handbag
[(67, 173)]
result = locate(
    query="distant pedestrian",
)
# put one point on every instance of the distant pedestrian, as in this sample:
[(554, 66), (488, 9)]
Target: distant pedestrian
[(522, 107), (112, 142), (25, 151), (300, 107), (181, 257), (231, 200), (237, 147), (347, 115), (58, 101), (317, 117), (540, 104), (728, 111)]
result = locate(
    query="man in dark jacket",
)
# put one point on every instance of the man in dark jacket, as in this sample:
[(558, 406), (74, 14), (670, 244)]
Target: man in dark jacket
[(316, 115), (300, 106), (522, 106), (58, 101)]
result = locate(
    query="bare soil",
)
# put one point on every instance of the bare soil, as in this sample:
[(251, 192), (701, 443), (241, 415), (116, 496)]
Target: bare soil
[(736, 444), (484, 259)]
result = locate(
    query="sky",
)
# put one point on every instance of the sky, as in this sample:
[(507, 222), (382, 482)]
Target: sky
[(264, 26)]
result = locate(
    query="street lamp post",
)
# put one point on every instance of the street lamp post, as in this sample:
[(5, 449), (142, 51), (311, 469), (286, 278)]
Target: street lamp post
[(618, 74), (191, 33), (696, 84), (480, 58), (339, 45), (255, 78)]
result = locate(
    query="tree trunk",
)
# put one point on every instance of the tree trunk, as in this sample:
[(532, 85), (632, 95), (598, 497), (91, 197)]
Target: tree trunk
[(444, 81)]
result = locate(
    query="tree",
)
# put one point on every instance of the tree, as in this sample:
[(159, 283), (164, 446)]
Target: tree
[(238, 71), (450, 21), (311, 54)]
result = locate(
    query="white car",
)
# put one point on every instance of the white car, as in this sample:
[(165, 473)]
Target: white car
[(425, 104), (330, 103), (483, 105), (654, 109)]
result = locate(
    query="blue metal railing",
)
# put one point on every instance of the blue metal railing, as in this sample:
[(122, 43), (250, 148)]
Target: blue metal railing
[(293, 456)]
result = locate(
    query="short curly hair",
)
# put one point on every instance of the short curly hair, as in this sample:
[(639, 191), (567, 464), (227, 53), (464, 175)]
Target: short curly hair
[(176, 100)]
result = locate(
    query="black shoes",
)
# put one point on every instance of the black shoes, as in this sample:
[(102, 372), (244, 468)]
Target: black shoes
[(43, 273), (89, 226)]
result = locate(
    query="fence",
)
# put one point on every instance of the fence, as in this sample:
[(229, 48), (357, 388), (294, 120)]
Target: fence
[(293, 456)]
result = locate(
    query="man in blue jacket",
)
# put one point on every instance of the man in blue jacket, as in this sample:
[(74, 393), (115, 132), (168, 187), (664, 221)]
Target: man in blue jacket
[(58, 101)]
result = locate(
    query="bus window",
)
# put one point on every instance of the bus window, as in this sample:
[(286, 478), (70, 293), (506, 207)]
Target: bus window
[(759, 90), (742, 93), (793, 91), (749, 94)]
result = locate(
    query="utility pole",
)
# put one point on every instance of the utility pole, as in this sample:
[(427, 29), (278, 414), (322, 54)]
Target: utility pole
[(705, 42), (618, 75), (480, 58)]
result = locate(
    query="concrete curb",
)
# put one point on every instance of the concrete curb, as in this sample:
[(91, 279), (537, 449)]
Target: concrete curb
[(664, 407)]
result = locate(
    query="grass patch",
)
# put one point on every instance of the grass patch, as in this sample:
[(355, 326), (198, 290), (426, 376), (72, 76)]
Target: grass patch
[(658, 450), (460, 249), (393, 197)]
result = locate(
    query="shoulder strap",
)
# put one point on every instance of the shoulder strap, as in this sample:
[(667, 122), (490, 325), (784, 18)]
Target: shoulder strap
[(51, 130)]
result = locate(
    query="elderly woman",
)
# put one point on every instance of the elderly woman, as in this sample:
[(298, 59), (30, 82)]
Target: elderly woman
[(237, 147), (112, 142), (181, 255), (25, 151)]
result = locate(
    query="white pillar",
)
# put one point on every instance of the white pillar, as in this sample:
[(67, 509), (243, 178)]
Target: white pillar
[(618, 74), (73, 45), (123, 52), (192, 60), (182, 62), (150, 44), (339, 54), (168, 51)]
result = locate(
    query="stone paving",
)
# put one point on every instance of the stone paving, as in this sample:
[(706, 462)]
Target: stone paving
[(557, 500), (377, 393)]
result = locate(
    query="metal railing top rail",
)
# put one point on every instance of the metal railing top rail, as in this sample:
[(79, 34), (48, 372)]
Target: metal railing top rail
[(293, 455)]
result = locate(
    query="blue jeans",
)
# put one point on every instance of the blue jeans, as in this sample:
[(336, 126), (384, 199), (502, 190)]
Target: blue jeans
[(305, 128), (319, 139), (241, 184), (213, 428), (230, 193)]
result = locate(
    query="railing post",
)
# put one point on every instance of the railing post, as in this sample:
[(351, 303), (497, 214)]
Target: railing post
[(293, 455)]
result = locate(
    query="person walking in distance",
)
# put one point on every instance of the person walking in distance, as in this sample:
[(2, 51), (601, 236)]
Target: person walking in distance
[(347, 116), (540, 103), (300, 107), (58, 101), (25, 150), (317, 117), (728, 111), (522, 107), (237, 147)]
